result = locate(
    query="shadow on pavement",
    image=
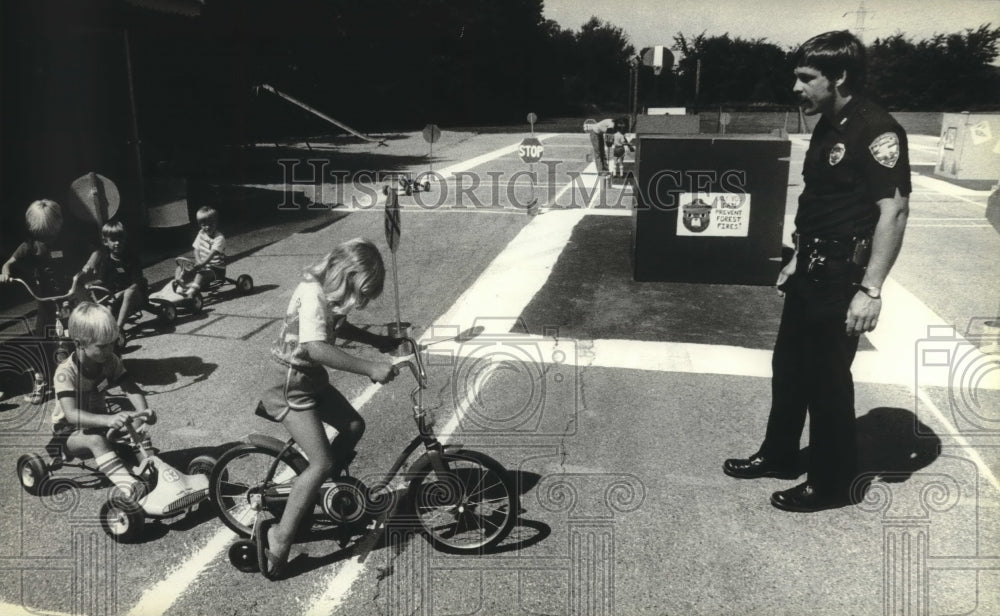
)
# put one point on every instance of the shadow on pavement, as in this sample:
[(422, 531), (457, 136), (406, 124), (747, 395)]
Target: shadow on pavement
[(168, 370), (592, 279), (399, 531), (893, 444)]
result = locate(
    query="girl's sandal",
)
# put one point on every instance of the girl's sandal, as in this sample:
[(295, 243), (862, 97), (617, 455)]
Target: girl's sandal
[(270, 565)]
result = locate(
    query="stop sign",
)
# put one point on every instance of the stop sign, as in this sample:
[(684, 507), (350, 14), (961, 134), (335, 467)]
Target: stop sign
[(530, 150)]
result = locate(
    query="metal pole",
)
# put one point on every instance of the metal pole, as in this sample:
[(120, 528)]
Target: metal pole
[(635, 95), (140, 180), (697, 85), (318, 113), (395, 287)]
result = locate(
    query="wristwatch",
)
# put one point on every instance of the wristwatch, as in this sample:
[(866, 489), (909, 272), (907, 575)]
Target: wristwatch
[(872, 292)]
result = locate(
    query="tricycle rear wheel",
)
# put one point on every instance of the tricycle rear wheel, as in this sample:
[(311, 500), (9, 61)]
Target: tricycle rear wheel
[(239, 485)]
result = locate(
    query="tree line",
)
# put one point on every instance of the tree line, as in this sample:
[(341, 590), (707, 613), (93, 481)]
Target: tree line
[(398, 64), (401, 63)]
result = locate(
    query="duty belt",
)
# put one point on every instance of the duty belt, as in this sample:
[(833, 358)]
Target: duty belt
[(818, 250)]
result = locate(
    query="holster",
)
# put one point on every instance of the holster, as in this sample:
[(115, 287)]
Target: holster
[(820, 257)]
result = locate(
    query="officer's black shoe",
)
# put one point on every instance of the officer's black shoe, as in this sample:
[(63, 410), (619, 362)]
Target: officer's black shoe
[(757, 466), (804, 498)]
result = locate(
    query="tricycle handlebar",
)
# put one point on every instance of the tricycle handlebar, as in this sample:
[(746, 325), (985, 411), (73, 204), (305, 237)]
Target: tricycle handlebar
[(129, 427), (73, 289)]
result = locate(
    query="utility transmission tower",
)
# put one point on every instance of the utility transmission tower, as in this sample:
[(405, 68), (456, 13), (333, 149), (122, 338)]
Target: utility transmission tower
[(859, 22)]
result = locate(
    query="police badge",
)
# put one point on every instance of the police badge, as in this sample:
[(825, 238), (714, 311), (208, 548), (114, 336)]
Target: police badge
[(837, 153), (885, 149)]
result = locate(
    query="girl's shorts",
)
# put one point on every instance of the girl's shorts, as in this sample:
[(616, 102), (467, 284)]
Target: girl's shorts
[(289, 388)]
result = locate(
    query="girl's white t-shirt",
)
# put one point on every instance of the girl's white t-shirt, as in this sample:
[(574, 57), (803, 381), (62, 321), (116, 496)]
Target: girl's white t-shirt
[(307, 319)]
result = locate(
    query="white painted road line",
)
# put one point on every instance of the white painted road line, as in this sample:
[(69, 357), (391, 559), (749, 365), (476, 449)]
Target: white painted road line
[(485, 158), (693, 358), (923, 225)]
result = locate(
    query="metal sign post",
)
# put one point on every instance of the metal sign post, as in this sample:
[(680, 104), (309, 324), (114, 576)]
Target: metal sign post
[(431, 134), (532, 118), (530, 151)]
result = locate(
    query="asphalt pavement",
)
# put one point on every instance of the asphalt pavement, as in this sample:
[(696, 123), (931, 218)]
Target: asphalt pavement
[(611, 403)]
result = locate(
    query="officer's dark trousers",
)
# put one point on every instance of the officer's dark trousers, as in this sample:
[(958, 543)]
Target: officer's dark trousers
[(812, 373)]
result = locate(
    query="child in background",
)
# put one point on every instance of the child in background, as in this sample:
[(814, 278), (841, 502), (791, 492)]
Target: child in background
[(209, 253), (300, 395), (618, 144), (81, 419), (120, 271), (47, 261)]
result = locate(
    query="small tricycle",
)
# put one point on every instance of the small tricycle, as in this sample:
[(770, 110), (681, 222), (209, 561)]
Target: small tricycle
[(464, 501), (62, 307), (407, 184), (164, 311), (174, 291), (166, 492)]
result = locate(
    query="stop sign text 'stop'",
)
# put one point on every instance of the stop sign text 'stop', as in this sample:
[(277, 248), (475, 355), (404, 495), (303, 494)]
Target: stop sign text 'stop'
[(530, 150)]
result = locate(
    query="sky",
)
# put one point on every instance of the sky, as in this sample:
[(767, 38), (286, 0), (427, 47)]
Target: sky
[(783, 22)]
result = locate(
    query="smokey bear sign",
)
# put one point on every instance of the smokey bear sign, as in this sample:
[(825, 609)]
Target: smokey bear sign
[(714, 214)]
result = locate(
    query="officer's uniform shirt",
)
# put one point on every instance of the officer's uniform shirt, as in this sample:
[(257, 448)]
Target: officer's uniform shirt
[(852, 162)]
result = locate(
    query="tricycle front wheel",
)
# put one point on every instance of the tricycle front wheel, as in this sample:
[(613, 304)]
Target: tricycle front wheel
[(122, 522), (469, 507)]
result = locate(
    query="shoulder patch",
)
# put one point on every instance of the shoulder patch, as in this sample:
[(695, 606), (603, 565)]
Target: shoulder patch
[(837, 153), (885, 149)]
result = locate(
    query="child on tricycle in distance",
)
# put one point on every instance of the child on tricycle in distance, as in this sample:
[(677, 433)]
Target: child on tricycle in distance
[(119, 269), (209, 255), (47, 260), (80, 420), (299, 393)]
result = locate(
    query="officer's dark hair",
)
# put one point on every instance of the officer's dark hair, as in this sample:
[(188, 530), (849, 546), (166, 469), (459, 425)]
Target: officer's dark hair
[(832, 53)]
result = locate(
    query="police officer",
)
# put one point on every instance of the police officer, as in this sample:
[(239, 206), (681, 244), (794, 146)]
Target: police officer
[(849, 228)]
